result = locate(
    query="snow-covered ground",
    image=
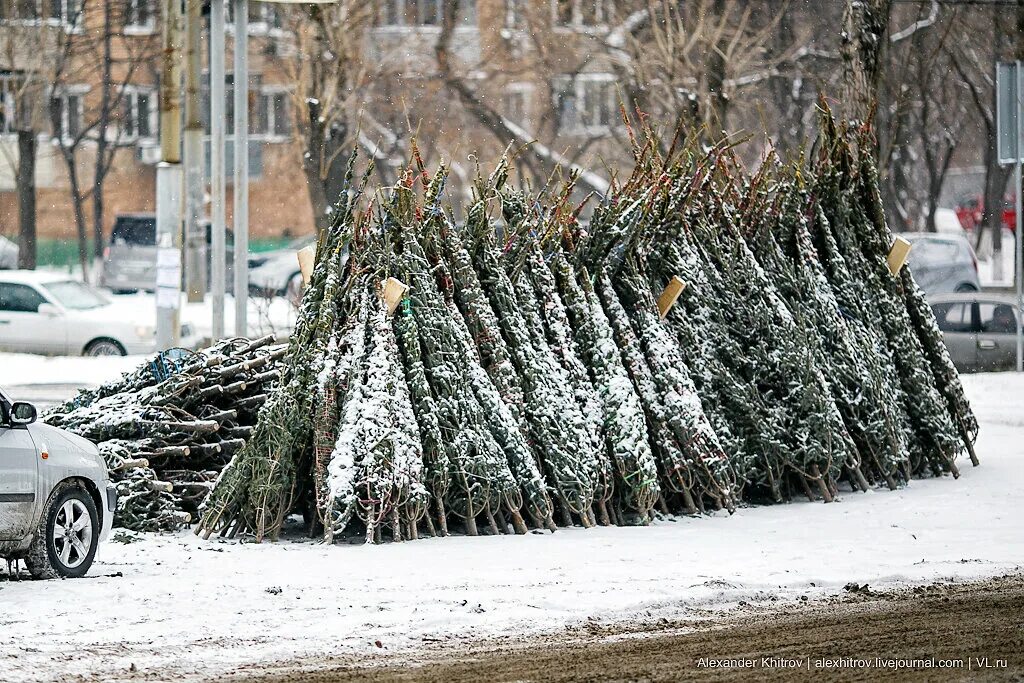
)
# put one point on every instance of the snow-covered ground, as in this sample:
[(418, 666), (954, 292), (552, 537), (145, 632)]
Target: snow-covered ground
[(27, 369), (175, 606)]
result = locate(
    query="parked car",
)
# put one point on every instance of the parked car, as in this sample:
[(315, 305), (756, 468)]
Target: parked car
[(942, 262), (52, 314), (979, 328), (276, 273), (129, 260), (56, 502), (8, 254)]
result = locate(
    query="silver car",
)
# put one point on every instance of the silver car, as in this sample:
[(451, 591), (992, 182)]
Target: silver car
[(56, 502), (276, 273), (980, 329), (942, 262), (129, 261)]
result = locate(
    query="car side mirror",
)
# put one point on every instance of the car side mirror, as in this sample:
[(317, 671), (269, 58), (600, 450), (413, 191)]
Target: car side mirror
[(48, 310), (23, 413)]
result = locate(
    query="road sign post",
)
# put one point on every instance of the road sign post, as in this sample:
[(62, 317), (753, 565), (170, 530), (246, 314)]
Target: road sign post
[(1010, 150)]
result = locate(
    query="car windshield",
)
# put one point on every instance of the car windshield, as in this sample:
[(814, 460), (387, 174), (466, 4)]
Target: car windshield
[(75, 295)]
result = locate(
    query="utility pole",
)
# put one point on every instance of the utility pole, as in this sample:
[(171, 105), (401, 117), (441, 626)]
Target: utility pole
[(241, 213), (195, 237), (168, 183), (217, 182)]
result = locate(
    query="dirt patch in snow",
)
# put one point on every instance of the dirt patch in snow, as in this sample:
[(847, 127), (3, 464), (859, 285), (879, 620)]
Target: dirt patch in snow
[(937, 632)]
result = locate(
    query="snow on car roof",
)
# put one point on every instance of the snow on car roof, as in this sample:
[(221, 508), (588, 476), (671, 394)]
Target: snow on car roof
[(938, 236)]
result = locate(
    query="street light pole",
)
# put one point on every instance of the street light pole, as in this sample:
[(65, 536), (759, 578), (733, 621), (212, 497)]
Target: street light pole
[(168, 184), (1018, 274), (217, 182), (241, 213), (195, 239)]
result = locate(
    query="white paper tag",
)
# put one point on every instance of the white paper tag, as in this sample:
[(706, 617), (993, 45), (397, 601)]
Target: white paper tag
[(168, 268)]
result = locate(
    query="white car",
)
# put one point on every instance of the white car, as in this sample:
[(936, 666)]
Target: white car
[(52, 314), (276, 273), (56, 501)]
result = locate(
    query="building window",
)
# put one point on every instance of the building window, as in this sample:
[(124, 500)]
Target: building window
[(139, 115), (140, 16), (10, 86), (516, 103), (66, 113), (582, 13), (586, 103), (61, 12), (272, 117), (270, 112), (263, 18), (515, 14), (422, 13)]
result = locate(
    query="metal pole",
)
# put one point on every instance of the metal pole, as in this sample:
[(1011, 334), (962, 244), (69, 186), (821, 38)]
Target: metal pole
[(241, 213), (195, 239), (168, 184), (1018, 275), (217, 188), (168, 255)]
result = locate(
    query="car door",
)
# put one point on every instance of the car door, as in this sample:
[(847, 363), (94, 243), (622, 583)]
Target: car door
[(997, 338), (921, 264), (22, 327), (18, 478), (956, 320)]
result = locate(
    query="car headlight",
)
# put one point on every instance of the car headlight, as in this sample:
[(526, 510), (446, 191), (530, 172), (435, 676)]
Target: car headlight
[(144, 331)]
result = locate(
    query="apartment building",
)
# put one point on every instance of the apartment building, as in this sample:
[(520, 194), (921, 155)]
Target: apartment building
[(541, 65)]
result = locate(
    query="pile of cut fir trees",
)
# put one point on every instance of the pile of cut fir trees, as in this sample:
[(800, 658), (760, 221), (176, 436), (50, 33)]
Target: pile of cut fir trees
[(708, 338), (167, 429)]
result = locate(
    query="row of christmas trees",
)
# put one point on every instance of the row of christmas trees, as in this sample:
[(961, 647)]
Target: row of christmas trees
[(528, 377)]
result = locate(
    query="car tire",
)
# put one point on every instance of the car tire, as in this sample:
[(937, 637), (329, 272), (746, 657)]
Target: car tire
[(966, 287), (104, 347), (67, 536)]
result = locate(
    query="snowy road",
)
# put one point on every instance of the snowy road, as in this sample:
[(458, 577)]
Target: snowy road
[(179, 607)]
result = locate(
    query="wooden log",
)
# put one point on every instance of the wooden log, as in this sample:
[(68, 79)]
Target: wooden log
[(222, 416), (251, 402), (130, 464), (236, 388)]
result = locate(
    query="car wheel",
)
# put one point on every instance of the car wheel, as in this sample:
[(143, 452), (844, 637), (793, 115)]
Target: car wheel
[(966, 287), (104, 347), (68, 533), (293, 290)]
